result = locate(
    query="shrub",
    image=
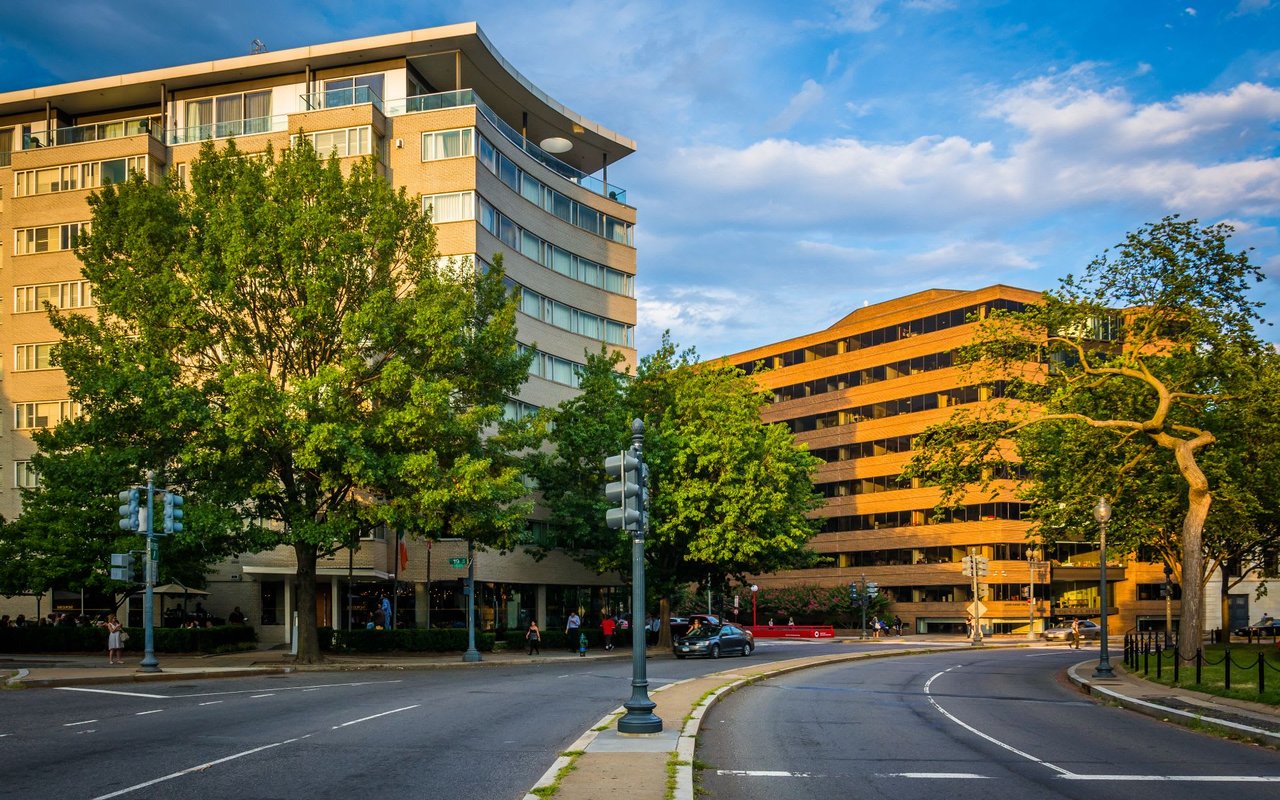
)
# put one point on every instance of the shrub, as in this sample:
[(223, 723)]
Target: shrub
[(62, 639)]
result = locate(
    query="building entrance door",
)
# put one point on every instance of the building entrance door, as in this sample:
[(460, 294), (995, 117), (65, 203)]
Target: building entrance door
[(324, 605), (1237, 611)]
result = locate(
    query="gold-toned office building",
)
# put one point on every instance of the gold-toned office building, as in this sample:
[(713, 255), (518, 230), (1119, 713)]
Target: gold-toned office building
[(505, 169), (856, 394)]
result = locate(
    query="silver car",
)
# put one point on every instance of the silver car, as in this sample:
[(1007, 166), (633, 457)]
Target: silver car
[(1089, 632)]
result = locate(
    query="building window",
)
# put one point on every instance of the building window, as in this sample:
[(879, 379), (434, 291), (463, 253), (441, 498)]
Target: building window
[(453, 207), (47, 414), (228, 115), (342, 142), (70, 177), (24, 477), (68, 294), (48, 239), (354, 91), (31, 357), (438, 145)]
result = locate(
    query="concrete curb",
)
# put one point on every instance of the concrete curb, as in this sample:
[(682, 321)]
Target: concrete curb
[(1166, 714)]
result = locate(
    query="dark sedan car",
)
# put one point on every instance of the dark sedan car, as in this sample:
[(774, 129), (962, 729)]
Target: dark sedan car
[(1265, 627), (714, 641)]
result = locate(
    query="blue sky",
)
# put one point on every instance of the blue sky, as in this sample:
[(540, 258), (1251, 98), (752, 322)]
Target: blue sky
[(797, 160)]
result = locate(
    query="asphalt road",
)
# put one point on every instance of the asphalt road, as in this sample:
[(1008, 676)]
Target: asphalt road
[(485, 732), (959, 725)]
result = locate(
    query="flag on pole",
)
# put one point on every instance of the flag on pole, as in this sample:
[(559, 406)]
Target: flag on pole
[(404, 555)]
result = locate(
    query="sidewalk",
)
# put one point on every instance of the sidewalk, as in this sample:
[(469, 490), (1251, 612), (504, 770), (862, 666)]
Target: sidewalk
[(604, 762)]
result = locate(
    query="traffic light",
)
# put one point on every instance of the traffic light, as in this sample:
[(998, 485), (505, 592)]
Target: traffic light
[(980, 564), (968, 566), (854, 596), (625, 492), (173, 513), (129, 510), (873, 590), (122, 566)]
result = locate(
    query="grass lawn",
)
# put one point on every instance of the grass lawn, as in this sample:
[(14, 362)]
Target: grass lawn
[(1244, 671)]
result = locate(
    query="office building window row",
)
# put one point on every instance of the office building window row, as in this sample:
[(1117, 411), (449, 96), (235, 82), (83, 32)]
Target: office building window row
[(882, 483), (46, 414), (24, 476), (31, 357), (66, 294), (885, 335), (343, 142), (548, 199), (450, 207), (556, 259), (846, 380), (876, 447), (891, 408), (70, 177), (943, 554), (554, 368), (925, 516), (48, 239), (553, 312), (515, 410)]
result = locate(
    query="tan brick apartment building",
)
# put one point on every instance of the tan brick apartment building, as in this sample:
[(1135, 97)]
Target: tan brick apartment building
[(505, 168), (856, 393)]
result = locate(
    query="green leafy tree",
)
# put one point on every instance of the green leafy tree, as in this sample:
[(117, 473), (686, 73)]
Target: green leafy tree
[(729, 496), (1142, 380), (281, 340)]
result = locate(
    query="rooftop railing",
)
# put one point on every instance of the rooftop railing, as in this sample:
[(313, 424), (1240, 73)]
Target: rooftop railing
[(94, 132), (337, 98), (468, 97)]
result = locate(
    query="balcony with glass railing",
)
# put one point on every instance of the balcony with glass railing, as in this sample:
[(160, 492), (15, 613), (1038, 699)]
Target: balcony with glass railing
[(338, 98), (94, 132), (468, 97), (226, 130)]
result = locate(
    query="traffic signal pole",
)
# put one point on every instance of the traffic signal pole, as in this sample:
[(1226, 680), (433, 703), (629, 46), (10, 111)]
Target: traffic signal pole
[(149, 662), (631, 492)]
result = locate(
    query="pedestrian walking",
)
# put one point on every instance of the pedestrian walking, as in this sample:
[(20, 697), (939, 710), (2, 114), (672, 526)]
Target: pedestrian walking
[(607, 627), (533, 637), (897, 624), (115, 641), (571, 630), (388, 619), (1075, 633)]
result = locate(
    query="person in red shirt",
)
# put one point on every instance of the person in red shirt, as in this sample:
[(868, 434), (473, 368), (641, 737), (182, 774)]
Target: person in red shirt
[(607, 627)]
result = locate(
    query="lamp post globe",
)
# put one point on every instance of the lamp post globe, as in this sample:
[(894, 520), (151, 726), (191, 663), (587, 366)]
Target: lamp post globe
[(1102, 513), (754, 589)]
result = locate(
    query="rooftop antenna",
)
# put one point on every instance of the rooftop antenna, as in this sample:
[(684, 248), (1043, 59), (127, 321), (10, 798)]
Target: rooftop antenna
[(256, 46)]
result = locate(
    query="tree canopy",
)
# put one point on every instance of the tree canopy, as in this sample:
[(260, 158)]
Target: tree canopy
[(729, 495), (282, 341), (1142, 380)]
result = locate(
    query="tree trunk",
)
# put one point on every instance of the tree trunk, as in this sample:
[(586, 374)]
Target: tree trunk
[(664, 624), (1191, 621), (308, 636)]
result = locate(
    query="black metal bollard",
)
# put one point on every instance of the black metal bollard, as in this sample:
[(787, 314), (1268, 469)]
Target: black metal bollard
[(1175, 665), (1146, 659), (1226, 668), (1199, 664), (1159, 661), (1262, 677)]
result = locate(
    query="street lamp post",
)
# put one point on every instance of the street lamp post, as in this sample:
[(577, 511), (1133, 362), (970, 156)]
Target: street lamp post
[(754, 590), (1102, 513)]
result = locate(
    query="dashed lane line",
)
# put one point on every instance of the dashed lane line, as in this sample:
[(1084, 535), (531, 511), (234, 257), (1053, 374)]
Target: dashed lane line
[(81, 722), (111, 691), (375, 716), (144, 713), (197, 768)]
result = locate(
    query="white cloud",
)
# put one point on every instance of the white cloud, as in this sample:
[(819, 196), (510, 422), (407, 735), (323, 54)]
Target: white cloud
[(1143, 68), (809, 97), (1190, 12), (858, 16), (1251, 7)]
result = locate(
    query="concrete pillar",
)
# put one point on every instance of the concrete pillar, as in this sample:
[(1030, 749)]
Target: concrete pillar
[(541, 606), (335, 602), (420, 605), (288, 612)]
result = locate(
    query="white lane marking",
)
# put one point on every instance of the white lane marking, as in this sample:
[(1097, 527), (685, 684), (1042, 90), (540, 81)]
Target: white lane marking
[(111, 691), (210, 703), (312, 689), (976, 732), (284, 689), (144, 713), (765, 773), (928, 775), (197, 768), (2, 735), (256, 696), (81, 722), (375, 716), (1179, 778), (86, 730)]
